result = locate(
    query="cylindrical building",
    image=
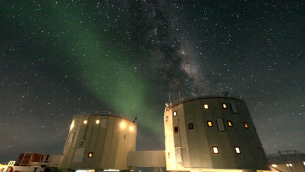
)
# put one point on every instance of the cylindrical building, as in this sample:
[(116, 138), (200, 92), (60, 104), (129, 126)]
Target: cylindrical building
[(211, 133), (99, 142)]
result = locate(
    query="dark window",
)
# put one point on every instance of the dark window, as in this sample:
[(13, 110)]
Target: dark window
[(220, 125), (233, 107), (230, 124), (176, 129), (191, 126), (210, 123)]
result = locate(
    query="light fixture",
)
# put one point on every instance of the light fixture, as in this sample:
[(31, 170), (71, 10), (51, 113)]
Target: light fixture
[(90, 155), (175, 113), (131, 128), (85, 121), (72, 125), (210, 123), (237, 150), (122, 125), (97, 121), (205, 106), (273, 165), (224, 106), (215, 150), (246, 125)]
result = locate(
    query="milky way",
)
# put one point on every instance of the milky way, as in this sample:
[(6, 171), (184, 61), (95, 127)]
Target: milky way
[(61, 58)]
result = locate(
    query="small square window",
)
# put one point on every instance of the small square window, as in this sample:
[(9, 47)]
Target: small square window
[(90, 154), (210, 123), (176, 130), (230, 124), (166, 118), (246, 125), (191, 126), (175, 113), (237, 150), (215, 150), (224, 105), (205, 106)]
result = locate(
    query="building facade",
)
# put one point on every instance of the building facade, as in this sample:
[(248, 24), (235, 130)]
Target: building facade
[(211, 133), (99, 142)]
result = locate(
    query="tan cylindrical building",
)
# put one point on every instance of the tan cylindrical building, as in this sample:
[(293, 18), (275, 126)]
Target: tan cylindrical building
[(212, 134), (99, 142)]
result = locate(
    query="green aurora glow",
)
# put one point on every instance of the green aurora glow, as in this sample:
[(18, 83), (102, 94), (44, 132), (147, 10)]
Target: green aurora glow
[(109, 74)]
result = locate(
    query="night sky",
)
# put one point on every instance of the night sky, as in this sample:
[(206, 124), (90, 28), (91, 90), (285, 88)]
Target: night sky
[(61, 58)]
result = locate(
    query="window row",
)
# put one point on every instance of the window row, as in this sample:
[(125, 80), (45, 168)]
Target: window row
[(206, 106), (96, 121), (229, 123), (224, 106), (210, 124), (216, 150), (104, 122)]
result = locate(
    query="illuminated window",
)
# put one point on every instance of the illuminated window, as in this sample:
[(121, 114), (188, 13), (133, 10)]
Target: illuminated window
[(246, 125), (175, 113), (191, 126), (215, 150), (230, 124), (97, 121), (90, 154), (205, 106), (210, 123), (273, 165), (166, 118), (237, 150), (85, 121), (224, 106), (176, 129)]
